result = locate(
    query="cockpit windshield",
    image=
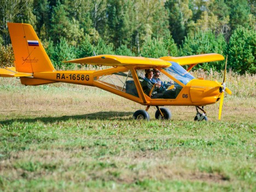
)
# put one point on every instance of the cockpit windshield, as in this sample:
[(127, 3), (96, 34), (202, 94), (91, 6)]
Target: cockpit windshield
[(179, 73)]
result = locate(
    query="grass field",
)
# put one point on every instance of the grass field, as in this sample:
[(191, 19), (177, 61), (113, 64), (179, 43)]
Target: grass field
[(74, 138)]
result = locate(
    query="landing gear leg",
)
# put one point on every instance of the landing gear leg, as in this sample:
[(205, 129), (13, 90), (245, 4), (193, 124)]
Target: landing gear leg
[(200, 116)]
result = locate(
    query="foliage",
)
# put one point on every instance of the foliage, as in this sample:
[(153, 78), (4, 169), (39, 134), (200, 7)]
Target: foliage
[(153, 48), (180, 18), (124, 50), (202, 43), (103, 48), (242, 51), (6, 56), (85, 48), (61, 52), (134, 25), (239, 14), (158, 48)]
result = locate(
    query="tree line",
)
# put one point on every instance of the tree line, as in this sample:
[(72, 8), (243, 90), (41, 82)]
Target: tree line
[(151, 28)]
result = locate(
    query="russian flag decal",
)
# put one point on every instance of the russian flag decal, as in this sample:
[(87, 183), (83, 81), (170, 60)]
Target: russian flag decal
[(33, 43)]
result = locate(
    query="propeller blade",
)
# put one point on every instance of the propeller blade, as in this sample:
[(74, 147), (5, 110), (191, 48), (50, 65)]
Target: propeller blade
[(221, 104), (225, 70), (228, 91), (225, 89)]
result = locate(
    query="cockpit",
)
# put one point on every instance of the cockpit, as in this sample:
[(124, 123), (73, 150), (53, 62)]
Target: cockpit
[(173, 79)]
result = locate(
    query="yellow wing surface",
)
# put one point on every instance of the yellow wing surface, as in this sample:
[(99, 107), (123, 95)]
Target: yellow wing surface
[(11, 72), (194, 59), (116, 60)]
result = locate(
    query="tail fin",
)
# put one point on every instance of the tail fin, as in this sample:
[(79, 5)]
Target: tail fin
[(29, 53)]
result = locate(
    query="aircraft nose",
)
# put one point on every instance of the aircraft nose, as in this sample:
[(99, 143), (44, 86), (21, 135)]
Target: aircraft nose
[(214, 89)]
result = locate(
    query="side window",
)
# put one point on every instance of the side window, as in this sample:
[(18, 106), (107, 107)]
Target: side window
[(121, 81)]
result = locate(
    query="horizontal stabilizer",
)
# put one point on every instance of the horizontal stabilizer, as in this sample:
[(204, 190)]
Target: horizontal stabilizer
[(11, 72), (195, 59), (116, 60)]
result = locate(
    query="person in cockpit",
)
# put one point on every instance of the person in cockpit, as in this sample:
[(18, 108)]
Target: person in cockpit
[(164, 90), (147, 82), (161, 87)]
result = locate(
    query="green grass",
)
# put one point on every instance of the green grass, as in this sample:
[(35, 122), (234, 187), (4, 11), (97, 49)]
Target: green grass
[(64, 138)]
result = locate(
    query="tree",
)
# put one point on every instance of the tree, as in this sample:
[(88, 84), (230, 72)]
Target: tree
[(6, 56), (81, 12), (98, 15), (124, 50), (119, 25), (180, 19), (14, 11), (239, 13), (103, 48), (160, 24), (242, 51), (171, 47), (60, 24), (61, 52), (203, 43), (42, 12), (85, 48), (221, 10), (156, 48)]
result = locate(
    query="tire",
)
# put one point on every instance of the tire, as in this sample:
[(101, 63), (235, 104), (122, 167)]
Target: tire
[(204, 118), (166, 112), (141, 115)]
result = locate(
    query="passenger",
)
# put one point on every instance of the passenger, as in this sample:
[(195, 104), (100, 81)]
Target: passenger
[(148, 75), (147, 83)]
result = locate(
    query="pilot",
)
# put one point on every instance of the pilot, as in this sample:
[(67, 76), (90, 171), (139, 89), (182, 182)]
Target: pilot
[(159, 84)]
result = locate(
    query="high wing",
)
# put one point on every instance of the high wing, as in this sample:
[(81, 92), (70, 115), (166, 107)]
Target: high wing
[(117, 60), (11, 72), (193, 60)]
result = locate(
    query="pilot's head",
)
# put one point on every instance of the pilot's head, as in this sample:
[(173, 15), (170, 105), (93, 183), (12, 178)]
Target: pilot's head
[(156, 73)]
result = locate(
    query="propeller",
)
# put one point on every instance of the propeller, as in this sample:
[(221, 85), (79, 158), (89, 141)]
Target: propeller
[(224, 89)]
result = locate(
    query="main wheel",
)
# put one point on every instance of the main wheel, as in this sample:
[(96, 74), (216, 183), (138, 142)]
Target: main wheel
[(166, 114), (141, 115)]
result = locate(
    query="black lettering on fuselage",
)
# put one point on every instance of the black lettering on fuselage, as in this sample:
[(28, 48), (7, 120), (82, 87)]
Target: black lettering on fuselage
[(63, 76), (58, 76)]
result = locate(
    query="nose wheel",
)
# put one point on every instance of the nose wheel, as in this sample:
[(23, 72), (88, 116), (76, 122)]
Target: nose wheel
[(200, 114)]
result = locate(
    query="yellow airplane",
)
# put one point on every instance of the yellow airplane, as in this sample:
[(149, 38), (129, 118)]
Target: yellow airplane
[(170, 85)]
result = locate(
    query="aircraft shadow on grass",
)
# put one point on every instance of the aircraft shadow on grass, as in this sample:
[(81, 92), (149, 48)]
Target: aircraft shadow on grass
[(113, 115)]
